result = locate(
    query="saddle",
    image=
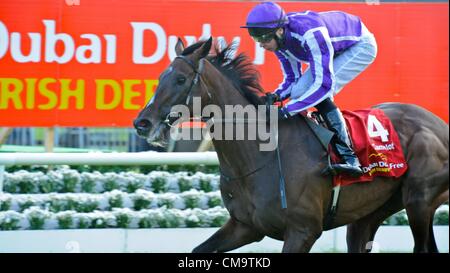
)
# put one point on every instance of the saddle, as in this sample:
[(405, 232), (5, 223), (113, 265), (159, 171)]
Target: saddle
[(374, 141), (319, 127)]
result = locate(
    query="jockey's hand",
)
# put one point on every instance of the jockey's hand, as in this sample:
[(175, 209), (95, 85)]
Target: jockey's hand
[(271, 98), (283, 114)]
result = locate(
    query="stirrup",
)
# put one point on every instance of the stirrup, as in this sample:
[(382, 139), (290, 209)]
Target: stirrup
[(335, 169), (329, 170)]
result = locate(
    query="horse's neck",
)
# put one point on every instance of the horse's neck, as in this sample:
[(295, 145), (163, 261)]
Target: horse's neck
[(236, 156), (225, 93), (240, 157), (222, 90)]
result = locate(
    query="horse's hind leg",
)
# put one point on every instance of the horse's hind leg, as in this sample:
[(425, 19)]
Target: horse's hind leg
[(361, 232), (421, 198), (230, 236), (432, 247), (420, 216)]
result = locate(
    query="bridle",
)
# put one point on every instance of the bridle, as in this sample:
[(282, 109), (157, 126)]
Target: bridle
[(194, 81), (197, 76)]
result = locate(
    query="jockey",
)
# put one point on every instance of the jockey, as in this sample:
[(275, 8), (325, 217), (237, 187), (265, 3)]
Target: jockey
[(336, 45)]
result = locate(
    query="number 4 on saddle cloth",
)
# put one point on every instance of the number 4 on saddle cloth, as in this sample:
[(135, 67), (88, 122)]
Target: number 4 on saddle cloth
[(374, 140)]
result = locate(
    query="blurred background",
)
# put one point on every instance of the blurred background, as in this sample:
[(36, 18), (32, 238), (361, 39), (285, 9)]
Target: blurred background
[(84, 69)]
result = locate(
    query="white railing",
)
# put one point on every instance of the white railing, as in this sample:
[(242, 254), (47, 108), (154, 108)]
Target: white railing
[(142, 158)]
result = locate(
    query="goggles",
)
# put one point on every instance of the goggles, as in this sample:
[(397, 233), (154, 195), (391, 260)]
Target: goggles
[(265, 38)]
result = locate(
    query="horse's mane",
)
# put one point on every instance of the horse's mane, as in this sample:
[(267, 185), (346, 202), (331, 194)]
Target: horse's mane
[(239, 70)]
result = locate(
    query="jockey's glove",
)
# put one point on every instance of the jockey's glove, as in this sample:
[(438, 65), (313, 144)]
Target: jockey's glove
[(283, 114)]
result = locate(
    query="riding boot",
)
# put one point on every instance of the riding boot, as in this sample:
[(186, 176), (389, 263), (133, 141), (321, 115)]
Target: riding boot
[(342, 145)]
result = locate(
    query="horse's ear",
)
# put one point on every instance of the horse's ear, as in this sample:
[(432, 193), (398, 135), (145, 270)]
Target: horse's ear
[(179, 47), (205, 48)]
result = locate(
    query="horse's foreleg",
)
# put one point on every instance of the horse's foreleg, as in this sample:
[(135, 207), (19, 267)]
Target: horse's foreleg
[(232, 235), (300, 240), (363, 230)]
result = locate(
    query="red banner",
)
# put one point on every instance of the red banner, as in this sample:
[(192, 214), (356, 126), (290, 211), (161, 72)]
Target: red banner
[(97, 63)]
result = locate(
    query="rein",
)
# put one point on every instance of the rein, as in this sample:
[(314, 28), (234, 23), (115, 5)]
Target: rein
[(195, 80)]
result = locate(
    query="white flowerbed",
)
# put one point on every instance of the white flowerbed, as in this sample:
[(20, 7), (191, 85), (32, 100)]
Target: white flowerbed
[(37, 218), (69, 180), (65, 198), (88, 202)]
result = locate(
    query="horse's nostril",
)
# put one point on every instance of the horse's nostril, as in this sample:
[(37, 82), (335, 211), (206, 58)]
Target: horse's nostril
[(142, 123)]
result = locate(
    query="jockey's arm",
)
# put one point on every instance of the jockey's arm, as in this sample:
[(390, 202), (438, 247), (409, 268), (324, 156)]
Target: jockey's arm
[(321, 52), (290, 75)]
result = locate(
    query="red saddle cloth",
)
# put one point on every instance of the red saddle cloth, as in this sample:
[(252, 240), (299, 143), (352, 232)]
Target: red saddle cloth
[(377, 145)]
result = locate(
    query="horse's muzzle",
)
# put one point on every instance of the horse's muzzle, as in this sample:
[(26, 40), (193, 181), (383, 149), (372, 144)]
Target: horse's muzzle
[(142, 126)]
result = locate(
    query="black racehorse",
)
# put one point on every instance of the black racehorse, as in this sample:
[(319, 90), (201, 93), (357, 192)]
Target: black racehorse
[(249, 177)]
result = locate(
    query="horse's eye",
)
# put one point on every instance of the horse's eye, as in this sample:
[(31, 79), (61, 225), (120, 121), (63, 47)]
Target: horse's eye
[(181, 80)]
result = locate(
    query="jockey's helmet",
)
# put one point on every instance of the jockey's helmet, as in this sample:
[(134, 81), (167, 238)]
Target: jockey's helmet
[(265, 18)]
